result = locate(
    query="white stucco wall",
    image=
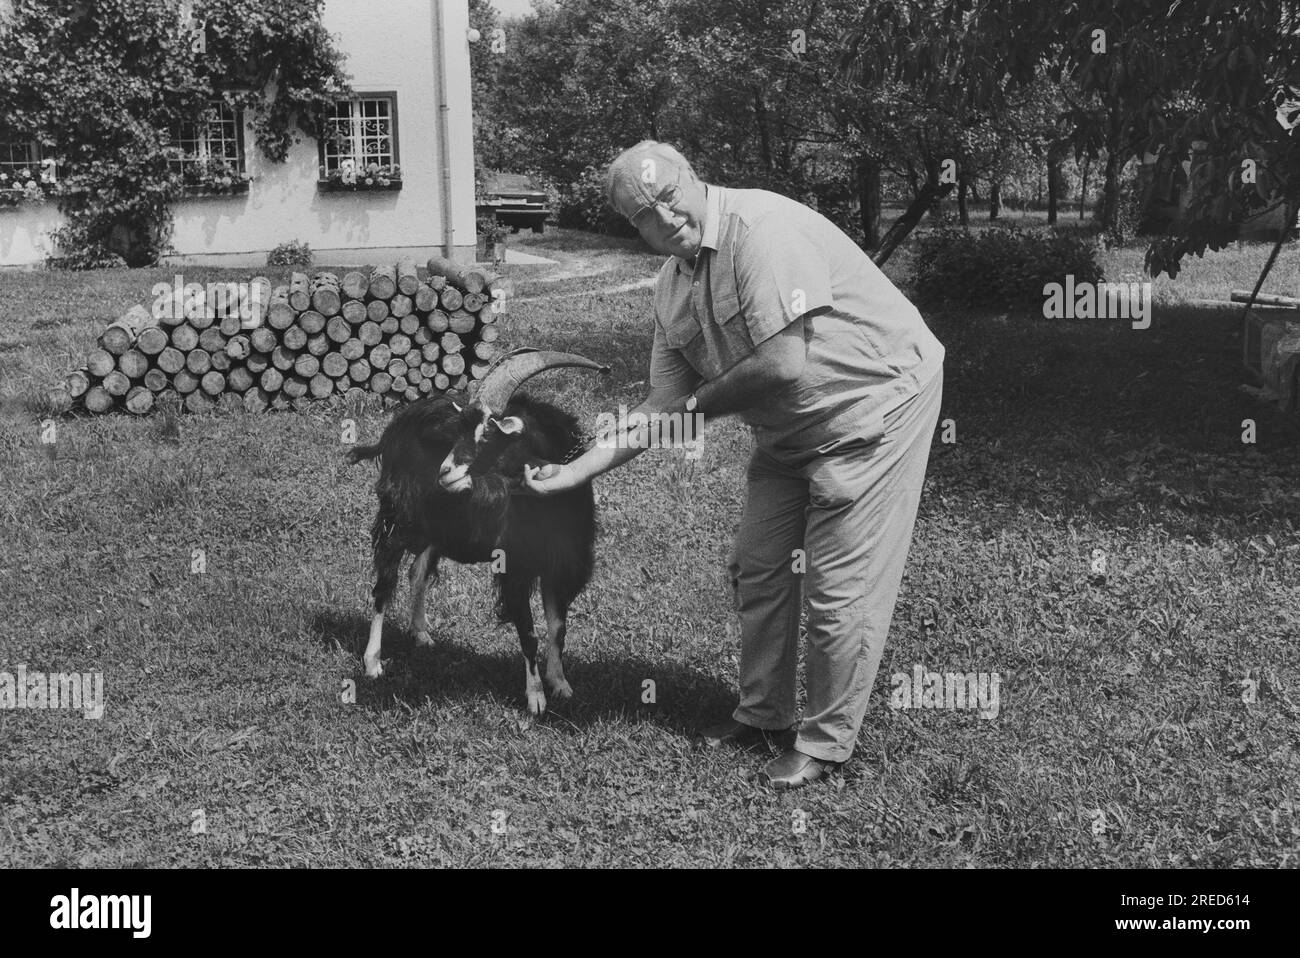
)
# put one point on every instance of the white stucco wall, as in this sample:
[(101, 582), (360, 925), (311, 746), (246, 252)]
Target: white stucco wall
[(390, 48)]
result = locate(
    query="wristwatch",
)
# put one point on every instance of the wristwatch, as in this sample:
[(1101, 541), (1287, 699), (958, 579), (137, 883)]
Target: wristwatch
[(691, 403)]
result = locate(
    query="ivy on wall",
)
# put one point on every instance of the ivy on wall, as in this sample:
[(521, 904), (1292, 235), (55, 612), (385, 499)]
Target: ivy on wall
[(102, 84)]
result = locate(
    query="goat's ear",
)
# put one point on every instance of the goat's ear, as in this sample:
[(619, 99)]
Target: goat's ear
[(508, 425)]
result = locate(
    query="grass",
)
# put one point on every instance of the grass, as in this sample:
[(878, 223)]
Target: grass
[(1122, 738)]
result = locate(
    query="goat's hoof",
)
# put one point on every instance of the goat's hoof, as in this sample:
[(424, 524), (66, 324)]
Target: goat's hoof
[(562, 691), (374, 669), (422, 640), (536, 703)]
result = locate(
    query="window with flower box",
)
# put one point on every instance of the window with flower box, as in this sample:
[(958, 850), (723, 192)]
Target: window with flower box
[(209, 155), (27, 175), (364, 154)]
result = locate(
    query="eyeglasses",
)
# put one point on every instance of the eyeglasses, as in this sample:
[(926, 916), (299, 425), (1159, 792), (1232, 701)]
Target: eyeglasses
[(668, 198)]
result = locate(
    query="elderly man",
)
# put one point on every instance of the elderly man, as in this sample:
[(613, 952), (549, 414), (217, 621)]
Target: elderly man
[(766, 309)]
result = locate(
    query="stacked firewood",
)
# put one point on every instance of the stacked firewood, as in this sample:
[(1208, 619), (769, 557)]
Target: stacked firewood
[(390, 331)]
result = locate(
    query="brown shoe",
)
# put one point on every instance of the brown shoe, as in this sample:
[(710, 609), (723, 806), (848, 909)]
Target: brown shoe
[(736, 734), (794, 769)]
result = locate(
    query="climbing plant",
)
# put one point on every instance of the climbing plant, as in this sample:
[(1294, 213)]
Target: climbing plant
[(103, 86)]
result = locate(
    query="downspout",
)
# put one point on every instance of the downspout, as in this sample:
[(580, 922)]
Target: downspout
[(443, 150)]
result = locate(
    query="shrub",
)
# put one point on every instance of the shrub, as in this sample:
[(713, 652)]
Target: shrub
[(1001, 266), (291, 253), (583, 206)]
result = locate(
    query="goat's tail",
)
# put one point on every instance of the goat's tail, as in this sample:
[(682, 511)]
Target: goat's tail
[(357, 453)]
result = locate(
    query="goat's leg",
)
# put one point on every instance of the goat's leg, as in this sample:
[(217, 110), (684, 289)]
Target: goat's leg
[(387, 558), (424, 570), (521, 615), (557, 612)]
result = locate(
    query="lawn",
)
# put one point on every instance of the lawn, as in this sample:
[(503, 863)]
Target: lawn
[(1124, 736)]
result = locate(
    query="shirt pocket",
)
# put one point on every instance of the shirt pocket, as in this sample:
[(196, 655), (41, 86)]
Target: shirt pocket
[(726, 340)]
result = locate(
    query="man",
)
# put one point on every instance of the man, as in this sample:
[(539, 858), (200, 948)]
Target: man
[(766, 309)]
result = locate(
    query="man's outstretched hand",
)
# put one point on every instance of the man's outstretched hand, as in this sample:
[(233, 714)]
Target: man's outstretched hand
[(550, 478)]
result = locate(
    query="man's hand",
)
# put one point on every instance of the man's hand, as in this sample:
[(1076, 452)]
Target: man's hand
[(550, 478)]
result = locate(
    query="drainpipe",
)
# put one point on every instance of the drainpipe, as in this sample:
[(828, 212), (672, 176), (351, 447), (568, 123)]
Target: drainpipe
[(443, 151)]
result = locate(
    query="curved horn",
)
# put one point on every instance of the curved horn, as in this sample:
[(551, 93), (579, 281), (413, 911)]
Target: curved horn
[(508, 375)]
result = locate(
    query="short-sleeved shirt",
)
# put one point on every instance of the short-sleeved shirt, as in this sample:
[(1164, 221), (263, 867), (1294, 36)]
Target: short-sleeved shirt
[(765, 260)]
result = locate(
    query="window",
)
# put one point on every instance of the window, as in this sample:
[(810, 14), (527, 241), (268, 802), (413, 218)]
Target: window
[(209, 155), (367, 133), (23, 163)]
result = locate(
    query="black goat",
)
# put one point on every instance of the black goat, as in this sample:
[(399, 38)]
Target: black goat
[(451, 485)]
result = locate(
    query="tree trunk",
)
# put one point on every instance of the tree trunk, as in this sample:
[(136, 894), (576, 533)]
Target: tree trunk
[(911, 216), (1083, 187), (1055, 181), (963, 214), (869, 201), (995, 200)]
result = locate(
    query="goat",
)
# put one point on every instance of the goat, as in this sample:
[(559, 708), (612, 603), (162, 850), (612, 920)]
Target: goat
[(451, 486)]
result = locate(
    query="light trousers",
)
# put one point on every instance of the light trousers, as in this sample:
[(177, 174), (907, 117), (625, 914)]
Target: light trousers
[(834, 530)]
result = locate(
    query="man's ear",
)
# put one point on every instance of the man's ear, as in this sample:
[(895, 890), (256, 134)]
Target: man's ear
[(508, 425)]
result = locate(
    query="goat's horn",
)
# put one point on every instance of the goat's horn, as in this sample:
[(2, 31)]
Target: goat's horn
[(510, 373)]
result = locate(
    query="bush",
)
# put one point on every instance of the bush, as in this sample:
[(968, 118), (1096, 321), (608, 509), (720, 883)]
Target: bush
[(583, 206), (1001, 266), (292, 253)]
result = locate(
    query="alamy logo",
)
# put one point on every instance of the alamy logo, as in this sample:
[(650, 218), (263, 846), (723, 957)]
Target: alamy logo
[(83, 691), (179, 300), (102, 911), (1131, 301), (946, 690), (654, 430)]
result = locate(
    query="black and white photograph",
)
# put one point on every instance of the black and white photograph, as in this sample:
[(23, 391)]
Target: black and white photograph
[(651, 434)]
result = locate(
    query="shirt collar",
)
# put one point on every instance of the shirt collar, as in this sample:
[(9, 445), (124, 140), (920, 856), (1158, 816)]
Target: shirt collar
[(712, 225)]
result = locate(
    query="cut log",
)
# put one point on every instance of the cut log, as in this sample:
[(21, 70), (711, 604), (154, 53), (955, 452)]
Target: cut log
[(279, 314), (438, 322), (229, 402), (413, 375), (338, 330), (306, 366), (211, 339), (479, 370), (271, 380), (453, 272), (171, 360), (354, 311), (421, 336), (453, 364), (426, 386), (280, 402), (295, 387), (380, 356), (412, 393), (441, 381), (401, 305), (377, 310), (295, 338), (359, 371), (221, 362), (198, 361), (117, 383), (408, 277), (168, 399), (262, 339), (185, 382), (381, 382), (473, 302), (428, 369), (238, 347), (100, 363), (152, 341), (198, 402), (479, 280), (426, 298), (256, 303), (489, 334), (321, 385), (396, 367), (169, 310), (77, 382), (283, 359), (451, 343), (460, 382), (311, 322), (334, 365), (213, 383), (451, 299), (256, 363), (390, 325), (228, 326), (462, 321), (239, 379), (484, 350), (98, 399), (299, 292), (369, 333), (326, 297), (133, 364), (355, 284), (383, 283), (318, 345), (399, 345), (255, 400), (399, 385), (120, 335)]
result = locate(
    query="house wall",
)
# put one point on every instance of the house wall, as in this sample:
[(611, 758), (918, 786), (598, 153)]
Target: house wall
[(390, 48)]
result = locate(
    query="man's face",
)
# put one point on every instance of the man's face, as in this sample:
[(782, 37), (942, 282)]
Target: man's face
[(674, 225)]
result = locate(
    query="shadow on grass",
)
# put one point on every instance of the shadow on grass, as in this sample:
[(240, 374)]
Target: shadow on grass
[(451, 672)]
